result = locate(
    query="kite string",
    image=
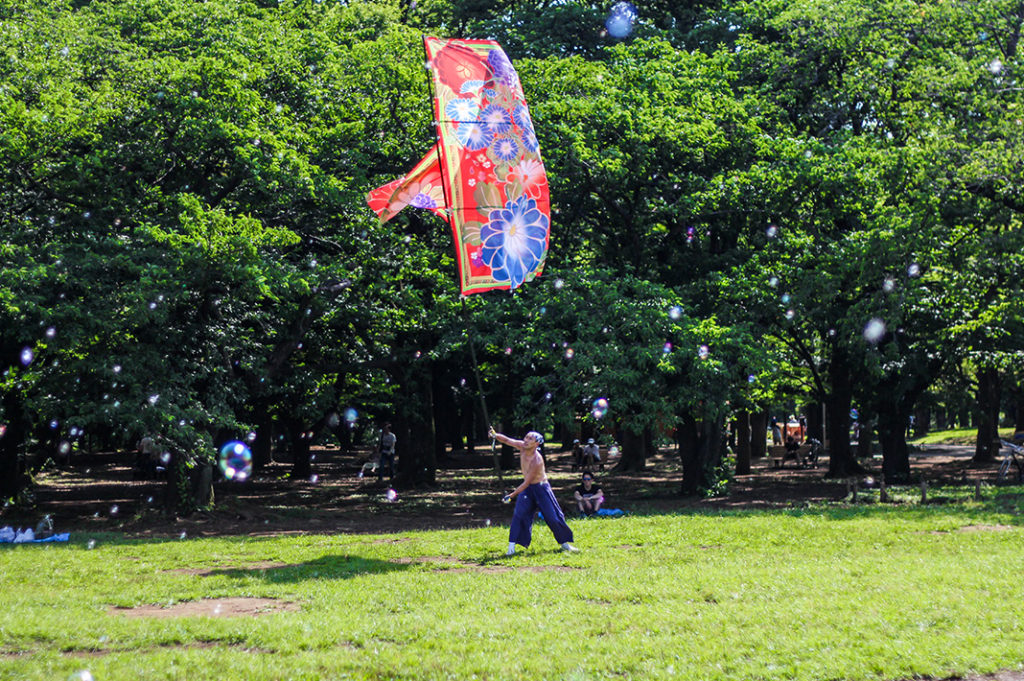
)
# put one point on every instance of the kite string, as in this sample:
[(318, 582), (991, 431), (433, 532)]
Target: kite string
[(480, 392)]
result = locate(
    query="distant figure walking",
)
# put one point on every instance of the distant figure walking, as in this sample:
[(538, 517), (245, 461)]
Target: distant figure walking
[(387, 453)]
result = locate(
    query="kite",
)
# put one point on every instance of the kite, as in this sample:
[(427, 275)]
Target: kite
[(484, 174)]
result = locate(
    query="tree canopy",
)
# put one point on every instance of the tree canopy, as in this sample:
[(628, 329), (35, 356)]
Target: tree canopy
[(753, 203)]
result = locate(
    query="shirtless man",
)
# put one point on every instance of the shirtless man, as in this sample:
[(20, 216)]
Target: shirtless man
[(532, 494)]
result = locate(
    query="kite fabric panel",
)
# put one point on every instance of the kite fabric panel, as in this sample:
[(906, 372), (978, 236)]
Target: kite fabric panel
[(485, 174)]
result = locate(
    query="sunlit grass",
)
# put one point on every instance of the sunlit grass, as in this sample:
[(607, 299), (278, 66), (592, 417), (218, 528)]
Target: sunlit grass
[(865, 591), (959, 436)]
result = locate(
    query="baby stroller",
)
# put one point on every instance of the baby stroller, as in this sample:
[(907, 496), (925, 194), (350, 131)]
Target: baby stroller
[(816, 449)]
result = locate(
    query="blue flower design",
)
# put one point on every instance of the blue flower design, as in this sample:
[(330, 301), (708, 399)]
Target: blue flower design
[(474, 136), (462, 109), (471, 85), (423, 201), (515, 240), (505, 149), (521, 115), (530, 141), (496, 119), (502, 68)]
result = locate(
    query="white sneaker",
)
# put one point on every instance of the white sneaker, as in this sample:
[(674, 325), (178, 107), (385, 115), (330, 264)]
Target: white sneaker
[(510, 552), (569, 548)]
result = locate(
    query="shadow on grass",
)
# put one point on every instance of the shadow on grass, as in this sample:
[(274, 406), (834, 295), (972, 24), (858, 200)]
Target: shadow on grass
[(325, 567)]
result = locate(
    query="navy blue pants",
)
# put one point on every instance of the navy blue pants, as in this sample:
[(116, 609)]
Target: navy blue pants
[(538, 497)]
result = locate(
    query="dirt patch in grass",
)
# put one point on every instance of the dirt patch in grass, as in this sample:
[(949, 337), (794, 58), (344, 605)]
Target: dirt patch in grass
[(248, 567), (985, 528), (449, 564), (495, 569), (412, 560), (211, 607)]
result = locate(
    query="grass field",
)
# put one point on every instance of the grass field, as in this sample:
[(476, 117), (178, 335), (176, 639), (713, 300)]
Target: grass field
[(962, 436), (837, 592)]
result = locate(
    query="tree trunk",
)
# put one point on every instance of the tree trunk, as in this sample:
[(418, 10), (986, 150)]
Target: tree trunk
[(445, 418), (816, 422), (1018, 409), (841, 462), (892, 434), (302, 463), (416, 457), (634, 451), (922, 421), (743, 443), (700, 452), (758, 435), (263, 445), (188, 488), (864, 437), (986, 446), (12, 441)]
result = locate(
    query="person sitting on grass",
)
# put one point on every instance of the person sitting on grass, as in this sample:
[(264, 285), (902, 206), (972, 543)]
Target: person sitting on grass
[(588, 495)]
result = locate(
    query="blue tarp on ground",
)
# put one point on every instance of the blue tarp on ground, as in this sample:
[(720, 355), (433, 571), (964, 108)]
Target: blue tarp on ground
[(14, 538), (604, 512)]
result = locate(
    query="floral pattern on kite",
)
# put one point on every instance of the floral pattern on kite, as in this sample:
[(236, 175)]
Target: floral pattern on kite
[(505, 230), (514, 240), (484, 175)]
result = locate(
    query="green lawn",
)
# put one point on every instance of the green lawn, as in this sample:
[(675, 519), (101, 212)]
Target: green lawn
[(867, 592), (961, 436)]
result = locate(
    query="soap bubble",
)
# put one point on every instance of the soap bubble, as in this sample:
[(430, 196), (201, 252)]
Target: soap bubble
[(874, 330), (772, 231), (91, 544), (114, 510), (600, 408), (675, 312), (183, 536), (569, 353), (391, 495), (751, 378), (667, 348), (914, 270), (889, 284), (82, 675), (351, 415), (773, 282), (703, 352), (51, 332), (559, 283), (790, 313), (621, 19), (995, 66), (235, 461), (27, 355)]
